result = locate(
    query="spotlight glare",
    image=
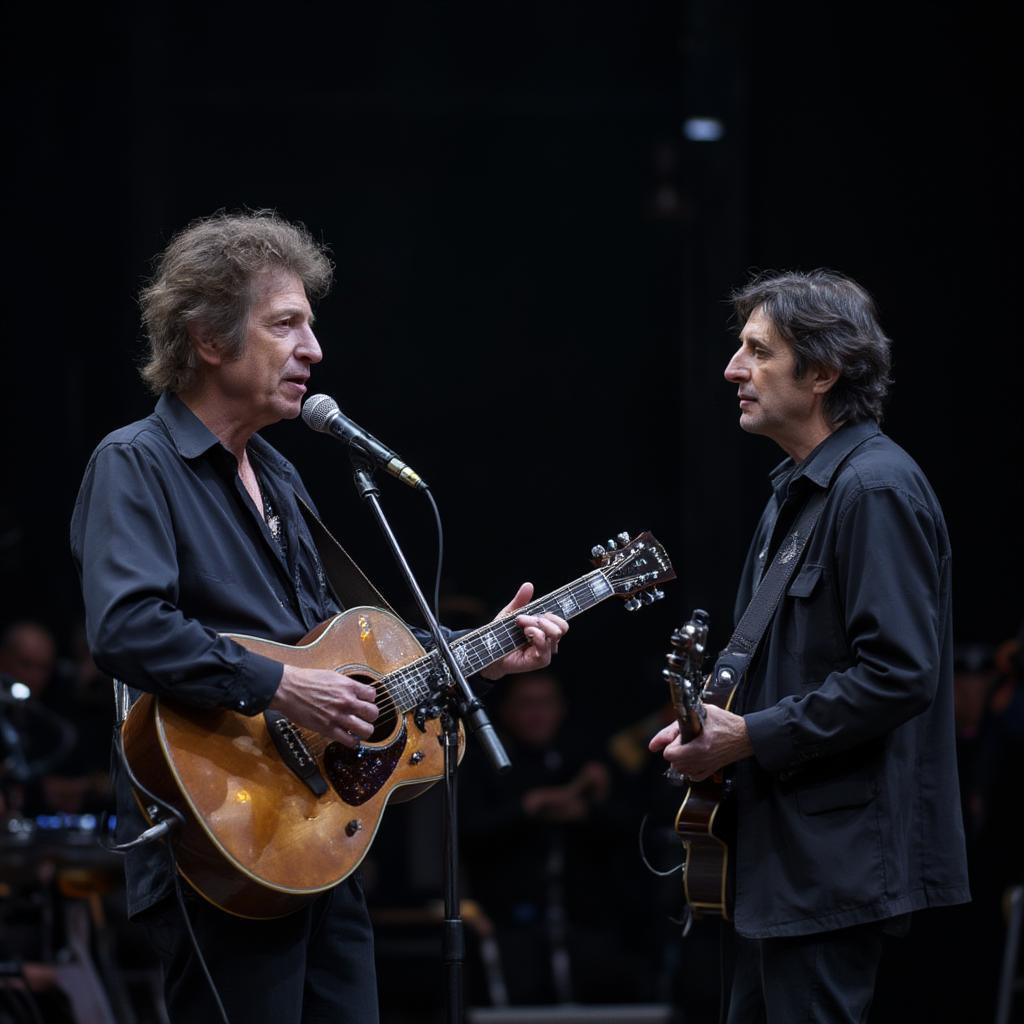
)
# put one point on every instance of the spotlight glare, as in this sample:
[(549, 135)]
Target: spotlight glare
[(703, 129)]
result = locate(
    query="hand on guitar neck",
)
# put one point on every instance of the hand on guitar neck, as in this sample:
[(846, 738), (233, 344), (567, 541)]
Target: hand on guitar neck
[(542, 631), (341, 708), (722, 741)]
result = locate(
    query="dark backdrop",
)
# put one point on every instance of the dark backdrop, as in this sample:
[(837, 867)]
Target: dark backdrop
[(533, 263)]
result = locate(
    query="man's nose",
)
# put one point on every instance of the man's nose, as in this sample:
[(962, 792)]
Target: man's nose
[(735, 371), (309, 348)]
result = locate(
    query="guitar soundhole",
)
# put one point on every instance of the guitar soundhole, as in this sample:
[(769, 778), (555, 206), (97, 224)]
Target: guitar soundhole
[(387, 720)]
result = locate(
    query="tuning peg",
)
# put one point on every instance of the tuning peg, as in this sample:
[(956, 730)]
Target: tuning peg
[(610, 544), (657, 594), (632, 604), (647, 597), (622, 538), (597, 551)]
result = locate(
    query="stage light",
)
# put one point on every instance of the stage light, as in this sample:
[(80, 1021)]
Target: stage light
[(703, 129)]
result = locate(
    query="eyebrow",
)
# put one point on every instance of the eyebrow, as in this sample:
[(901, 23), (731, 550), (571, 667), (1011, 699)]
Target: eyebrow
[(754, 338), (289, 312)]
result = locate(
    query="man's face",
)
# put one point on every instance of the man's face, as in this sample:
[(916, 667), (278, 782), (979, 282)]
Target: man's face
[(268, 382), (772, 401), (533, 711), (30, 657)]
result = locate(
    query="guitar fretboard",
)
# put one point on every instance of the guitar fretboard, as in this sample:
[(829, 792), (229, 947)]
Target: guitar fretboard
[(416, 682)]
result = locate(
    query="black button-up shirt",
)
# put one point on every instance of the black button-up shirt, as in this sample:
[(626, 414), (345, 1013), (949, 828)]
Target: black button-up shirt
[(172, 552), (849, 810)]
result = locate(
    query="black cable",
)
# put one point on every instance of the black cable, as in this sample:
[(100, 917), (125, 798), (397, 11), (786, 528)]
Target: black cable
[(721, 972), (195, 946), (643, 854), (152, 834), (155, 803), (440, 553)]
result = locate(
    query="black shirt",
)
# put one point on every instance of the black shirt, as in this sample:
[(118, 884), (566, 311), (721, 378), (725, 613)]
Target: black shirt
[(172, 552)]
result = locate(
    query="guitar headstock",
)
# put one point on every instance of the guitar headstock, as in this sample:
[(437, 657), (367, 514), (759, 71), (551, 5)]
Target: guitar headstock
[(689, 642), (634, 568), (683, 674)]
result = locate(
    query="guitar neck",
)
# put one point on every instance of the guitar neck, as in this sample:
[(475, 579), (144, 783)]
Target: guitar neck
[(416, 682), (691, 721)]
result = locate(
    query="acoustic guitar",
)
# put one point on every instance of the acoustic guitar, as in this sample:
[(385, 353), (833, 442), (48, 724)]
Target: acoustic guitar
[(705, 818), (276, 814)]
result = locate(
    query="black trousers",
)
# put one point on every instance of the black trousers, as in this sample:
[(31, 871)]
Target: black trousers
[(312, 967), (828, 978)]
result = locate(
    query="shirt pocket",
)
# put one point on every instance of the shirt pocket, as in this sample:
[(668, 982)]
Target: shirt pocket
[(810, 624), (807, 580), (838, 794)]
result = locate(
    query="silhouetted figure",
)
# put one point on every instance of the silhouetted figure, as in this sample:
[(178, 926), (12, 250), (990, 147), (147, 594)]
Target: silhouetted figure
[(539, 849)]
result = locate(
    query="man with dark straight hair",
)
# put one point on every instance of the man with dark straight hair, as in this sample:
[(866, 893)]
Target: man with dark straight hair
[(840, 739)]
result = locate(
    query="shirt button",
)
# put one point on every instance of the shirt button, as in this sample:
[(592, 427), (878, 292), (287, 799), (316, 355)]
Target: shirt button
[(241, 704)]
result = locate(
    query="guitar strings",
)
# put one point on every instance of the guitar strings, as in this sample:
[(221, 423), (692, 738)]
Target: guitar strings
[(414, 679)]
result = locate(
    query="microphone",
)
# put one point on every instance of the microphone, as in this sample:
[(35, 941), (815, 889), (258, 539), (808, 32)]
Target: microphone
[(321, 412)]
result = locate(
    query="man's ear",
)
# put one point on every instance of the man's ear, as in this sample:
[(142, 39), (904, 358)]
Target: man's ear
[(823, 378), (209, 350)]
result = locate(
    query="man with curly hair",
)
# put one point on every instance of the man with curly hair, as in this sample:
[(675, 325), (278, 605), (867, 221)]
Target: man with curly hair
[(188, 527)]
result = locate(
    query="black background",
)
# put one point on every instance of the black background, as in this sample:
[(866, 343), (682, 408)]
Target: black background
[(532, 269)]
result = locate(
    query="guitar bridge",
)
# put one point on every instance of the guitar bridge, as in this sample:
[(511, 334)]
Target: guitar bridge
[(294, 751)]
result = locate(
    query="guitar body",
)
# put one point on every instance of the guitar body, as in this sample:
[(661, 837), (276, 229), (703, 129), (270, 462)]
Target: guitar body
[(274, 815), (705, 823), (705, 819), (257, 841)]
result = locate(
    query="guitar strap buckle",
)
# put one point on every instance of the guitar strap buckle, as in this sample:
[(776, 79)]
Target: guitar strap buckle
[(729, 671)]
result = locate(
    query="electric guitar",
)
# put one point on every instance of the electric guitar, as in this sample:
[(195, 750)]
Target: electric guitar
[(275, 814), (704, 820)]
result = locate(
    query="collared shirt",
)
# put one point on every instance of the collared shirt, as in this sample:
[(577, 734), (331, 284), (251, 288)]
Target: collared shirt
[(849, 810), (172, 553)]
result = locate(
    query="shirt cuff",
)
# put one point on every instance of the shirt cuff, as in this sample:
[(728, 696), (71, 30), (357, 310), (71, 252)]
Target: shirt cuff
[(775, 748), (257, 682)]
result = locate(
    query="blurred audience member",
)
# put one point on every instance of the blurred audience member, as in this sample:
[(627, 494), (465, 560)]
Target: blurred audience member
[(28, 653), (990, 748), (539, 844), (62, 729)]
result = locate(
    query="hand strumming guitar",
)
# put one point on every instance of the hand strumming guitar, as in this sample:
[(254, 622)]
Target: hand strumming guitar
[(343, 709), (334, 705)]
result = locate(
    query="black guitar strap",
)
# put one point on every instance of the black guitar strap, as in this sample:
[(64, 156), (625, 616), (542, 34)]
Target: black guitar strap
[(740, 650), (349, 582)]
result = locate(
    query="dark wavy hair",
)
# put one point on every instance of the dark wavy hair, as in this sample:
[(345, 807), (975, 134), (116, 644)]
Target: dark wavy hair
[(829, 321), (206, 277)]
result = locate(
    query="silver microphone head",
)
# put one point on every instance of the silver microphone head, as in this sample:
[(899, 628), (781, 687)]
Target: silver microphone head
[(317, 410)]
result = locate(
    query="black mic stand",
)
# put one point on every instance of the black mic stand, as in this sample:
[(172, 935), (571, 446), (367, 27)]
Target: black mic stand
[(459, 703)]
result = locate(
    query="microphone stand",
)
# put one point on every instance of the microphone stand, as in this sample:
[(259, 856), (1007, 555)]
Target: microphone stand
[(460, 703)]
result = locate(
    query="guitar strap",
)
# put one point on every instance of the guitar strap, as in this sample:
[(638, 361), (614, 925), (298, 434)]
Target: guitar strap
[(734, 661), (350, 585), (347, 580)]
